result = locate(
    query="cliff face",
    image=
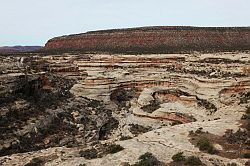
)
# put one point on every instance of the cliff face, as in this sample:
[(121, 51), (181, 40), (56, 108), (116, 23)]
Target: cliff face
[(156, 40)]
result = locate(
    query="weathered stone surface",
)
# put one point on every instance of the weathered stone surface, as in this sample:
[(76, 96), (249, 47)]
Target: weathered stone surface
[(58, 105)]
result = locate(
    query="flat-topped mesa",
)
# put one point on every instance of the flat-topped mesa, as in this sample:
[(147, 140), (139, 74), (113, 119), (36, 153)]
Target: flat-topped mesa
[(161, 39)]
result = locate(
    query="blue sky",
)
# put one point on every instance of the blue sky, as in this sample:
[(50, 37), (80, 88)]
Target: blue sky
[(33, 22)]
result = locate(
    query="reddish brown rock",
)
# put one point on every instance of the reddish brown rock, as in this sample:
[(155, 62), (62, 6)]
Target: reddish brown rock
[(156, 40)]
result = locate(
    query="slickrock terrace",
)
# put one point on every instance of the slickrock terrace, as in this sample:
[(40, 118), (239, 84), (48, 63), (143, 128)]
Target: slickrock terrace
[(145, 103)]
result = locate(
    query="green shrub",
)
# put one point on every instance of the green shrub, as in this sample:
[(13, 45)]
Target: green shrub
[(178, 157), (205, 145), (245, 117), (147, 159), (89, 153), (176, 123), (114, 148), (125, 138), (199, 131), (146, 156), (193, 161), (36, 162), (82, 165)]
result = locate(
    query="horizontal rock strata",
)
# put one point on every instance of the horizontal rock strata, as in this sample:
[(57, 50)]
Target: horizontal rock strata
[(52, 107), (156, 40)]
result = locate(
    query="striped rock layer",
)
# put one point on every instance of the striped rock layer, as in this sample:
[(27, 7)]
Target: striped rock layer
[(156, 40)]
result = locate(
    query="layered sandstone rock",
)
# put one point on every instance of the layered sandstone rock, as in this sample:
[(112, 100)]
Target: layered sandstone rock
[(53, 107), (156, 40)]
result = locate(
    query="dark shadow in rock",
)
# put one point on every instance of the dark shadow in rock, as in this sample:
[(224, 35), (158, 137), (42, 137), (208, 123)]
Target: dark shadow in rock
[(121, 95), (107, 128), (154, 105)]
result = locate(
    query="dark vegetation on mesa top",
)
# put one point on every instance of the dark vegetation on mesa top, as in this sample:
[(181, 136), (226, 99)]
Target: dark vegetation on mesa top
[(160, 39)]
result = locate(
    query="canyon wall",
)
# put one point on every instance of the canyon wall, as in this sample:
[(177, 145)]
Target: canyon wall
[(156, 40)]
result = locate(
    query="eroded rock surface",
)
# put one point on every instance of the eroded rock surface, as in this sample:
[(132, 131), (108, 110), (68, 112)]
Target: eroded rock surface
[(54, 106)]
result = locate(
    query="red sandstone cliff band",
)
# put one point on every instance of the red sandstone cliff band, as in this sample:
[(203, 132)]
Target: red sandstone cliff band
[(157, 40)]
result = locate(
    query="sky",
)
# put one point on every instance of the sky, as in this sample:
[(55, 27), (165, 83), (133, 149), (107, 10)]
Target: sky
[(34, 22)]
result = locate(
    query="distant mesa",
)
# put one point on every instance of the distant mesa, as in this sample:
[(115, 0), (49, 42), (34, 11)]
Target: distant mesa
[(160, 39), (18, 49)]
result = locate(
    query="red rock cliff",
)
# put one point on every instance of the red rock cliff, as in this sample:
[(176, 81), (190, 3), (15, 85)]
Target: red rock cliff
[(156, 39)]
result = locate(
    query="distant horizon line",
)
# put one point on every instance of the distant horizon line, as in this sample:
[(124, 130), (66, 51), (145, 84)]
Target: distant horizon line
[(125, 28)]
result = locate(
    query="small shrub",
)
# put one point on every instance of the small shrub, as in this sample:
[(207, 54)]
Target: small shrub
[(114, 148), (178, 157), (138, 129), (125, 138), (35, 162), (147, 159), (193, 161), (245, 117), (154, 105), (82, 165), (176, 123), (199, 131), (231, 164), (191, 132), (146, 156), (89, 153), (205, 145)]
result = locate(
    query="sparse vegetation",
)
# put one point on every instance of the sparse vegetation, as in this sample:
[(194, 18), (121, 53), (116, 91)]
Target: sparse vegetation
[(107, 128), (113, 148), (176, 123), (226, 145), (89, 153), (35, 162), (199, 130), (138, 129), (154, 105), (205, 145), (82, 165), (125, 138), (102, 150), (206, 104), (147, 159), (193, 161), (178, 157)]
